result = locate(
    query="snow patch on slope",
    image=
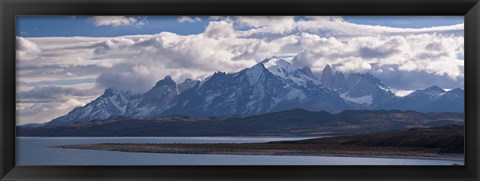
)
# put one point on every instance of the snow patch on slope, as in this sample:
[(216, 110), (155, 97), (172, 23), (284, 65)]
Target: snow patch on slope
[(367, 99), (120, 102), (296, 94), (285, 70)]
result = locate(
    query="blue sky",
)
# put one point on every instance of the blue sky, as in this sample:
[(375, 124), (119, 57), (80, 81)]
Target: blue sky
[(47, 26), (64, 26)]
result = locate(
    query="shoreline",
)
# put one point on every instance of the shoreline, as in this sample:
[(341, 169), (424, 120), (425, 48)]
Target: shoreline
[(440, 143), (271, 150)]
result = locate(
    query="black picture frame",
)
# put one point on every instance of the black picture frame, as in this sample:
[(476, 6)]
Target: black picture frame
[(470, 9)]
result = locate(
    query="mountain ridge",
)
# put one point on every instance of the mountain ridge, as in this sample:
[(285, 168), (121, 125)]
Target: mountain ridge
[(272, 85)]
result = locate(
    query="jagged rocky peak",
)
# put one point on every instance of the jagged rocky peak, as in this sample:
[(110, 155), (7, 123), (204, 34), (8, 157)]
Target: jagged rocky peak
[(327, 77), (278, 65), (187, 84), (433, 90), (307, 71), (219, 73), (275, 61), (163, 91), (266, 60), (430, 91), (340, 82), (112, 102), (359, 78), (335, 81), (165, 81), (353, 77), (255, 73), (166, 84), (273, 58), (327, 69), (299, 75), (110, 92), (188, 80), (356, 79), (365, 86), (455, 93), (268, 66)]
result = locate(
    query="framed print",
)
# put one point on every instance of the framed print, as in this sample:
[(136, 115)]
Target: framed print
[(239, 90)]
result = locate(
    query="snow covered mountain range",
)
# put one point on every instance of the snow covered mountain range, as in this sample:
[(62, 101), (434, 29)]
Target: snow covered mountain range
[(270, 86)]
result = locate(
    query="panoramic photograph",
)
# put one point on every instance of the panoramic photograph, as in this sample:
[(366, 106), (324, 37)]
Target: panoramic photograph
[(239, 90)]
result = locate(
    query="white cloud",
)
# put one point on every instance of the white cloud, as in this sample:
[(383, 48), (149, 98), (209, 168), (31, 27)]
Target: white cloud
[(220, 29), (39, 94), (141, 70), (116, 21), (43, 112), (337, 27), (189, 19), (26, 49), (137, 83), (44, 103), (409, 53), (354, 65), (267, 24)]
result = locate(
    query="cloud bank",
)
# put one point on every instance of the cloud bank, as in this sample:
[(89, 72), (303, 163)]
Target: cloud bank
[(116, 21), (189, 19)]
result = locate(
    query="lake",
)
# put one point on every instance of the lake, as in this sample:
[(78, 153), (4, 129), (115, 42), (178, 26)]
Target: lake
[(38, 151)]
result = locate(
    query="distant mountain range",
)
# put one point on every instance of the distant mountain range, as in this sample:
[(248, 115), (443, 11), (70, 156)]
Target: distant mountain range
[(296, 122), (270, 86)]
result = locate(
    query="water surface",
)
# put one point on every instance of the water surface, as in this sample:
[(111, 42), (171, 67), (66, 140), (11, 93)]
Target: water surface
[(38, 151)]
